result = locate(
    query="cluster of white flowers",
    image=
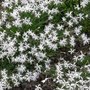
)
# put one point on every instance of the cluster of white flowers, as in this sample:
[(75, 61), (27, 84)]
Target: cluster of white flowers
[(31, 30)]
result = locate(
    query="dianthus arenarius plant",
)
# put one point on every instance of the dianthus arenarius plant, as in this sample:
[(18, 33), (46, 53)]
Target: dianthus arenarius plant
[(45, 36)]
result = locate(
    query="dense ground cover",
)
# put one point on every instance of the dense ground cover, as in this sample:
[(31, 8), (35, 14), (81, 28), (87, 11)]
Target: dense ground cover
[(45, 44)]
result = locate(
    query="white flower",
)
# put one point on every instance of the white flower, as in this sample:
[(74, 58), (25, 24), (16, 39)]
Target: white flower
[(21, 47), (85, 39), (21, 58), (76, 58), (72, 41), (71, 51), (69, 14), (80, 16), (81, 56), (15, 14), (17, 23), (16, 2), (4, 78), (41, 47), (64, 19), (35, 76), (59, 71), (66, 33), (1, 86), (60, 27), (63, 42), (37, 14), (84, 3), (8, 25), (77, 30), (17, 33), (50, 17), (27, 21), (70, 23), (33, 49), (21, 68), (77, 7), (38, 67), (75, 20), (43, 81), (5, 4), (38, 87)]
